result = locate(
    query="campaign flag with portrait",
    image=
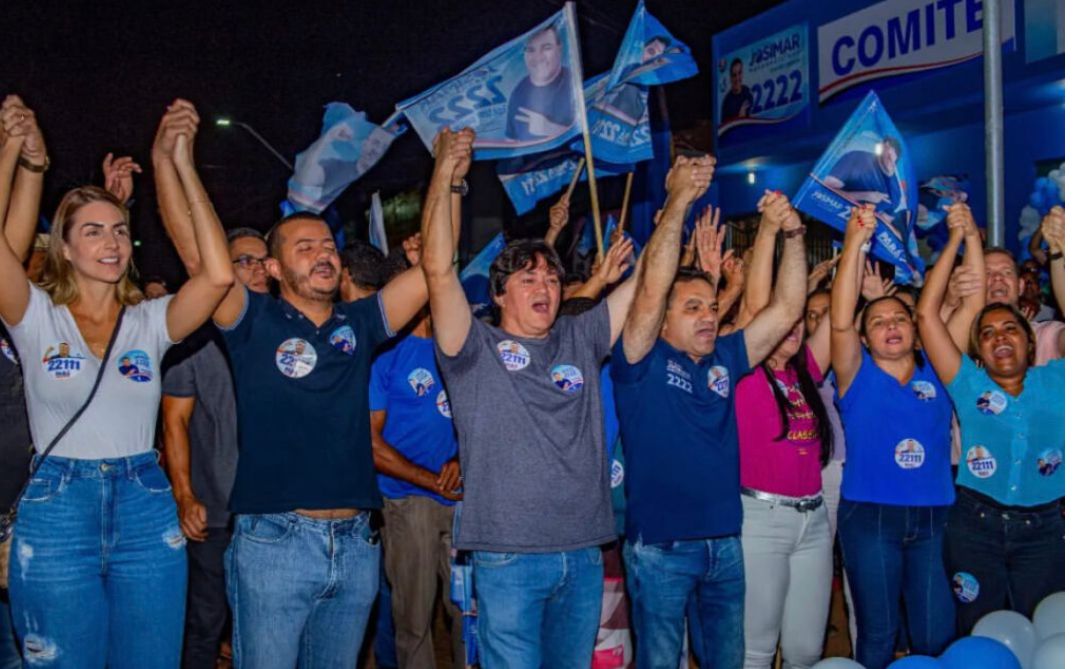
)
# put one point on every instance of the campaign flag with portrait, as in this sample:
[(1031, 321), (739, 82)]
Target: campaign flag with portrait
[(520, 98), (867, 163), (530, 179), (348, 146), (649, 55)]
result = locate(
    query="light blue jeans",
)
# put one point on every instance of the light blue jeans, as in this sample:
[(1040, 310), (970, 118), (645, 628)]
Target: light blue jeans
[(301, 590), (98, 566), (703, 578), (538, 609)]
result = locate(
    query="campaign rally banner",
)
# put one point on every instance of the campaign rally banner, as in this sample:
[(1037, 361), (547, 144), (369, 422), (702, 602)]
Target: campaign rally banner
[(649, 55), (765, 82), (530, 179), (868, 163), (900, 37), (519, 98), (348, 146)]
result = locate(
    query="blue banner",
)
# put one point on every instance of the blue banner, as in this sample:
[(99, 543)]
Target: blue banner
[(523, 97), (475, 276), (649, 55), (867, 163), (377, 232), (348, 146), (530, 179)]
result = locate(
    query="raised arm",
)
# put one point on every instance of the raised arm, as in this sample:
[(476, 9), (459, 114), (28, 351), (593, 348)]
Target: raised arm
[(845, 341), (558, 218), (709, 237), (772, 206), (22, 212), (201, 294), (180, 119), (447, 301), (617, 260), (14, 286), (771, 324), (959, 217), (686, 182), (1053, 231)]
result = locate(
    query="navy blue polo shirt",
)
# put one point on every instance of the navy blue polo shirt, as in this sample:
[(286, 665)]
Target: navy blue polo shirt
[(679, 433), (303, 405)]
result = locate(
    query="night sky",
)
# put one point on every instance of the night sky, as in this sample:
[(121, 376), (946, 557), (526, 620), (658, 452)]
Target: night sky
[(100, 74)]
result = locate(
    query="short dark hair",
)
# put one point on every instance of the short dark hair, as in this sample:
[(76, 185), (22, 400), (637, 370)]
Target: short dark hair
[(242, 233), (687, 275), (521, 254), (274, 235), (736, 61), (366, 264), (154, 278), (665, 41), (895, 144), (975, 330)]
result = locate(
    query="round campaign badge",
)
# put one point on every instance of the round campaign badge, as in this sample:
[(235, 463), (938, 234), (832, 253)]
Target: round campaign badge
[(513, 354), (965, 587), (981, 462), (135, 365), (421, 381), (909, 454), (8, 352), (567, 378), (616, 474), (61, 362), (1049, 461), (718, 380), (442, 405), (923, 390), (295, 357), (344, 339), (992, 402)]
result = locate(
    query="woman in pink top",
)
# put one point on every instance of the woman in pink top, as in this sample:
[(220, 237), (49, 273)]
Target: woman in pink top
[(785, 440)]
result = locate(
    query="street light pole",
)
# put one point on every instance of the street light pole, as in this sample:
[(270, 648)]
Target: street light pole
[(225, 123)]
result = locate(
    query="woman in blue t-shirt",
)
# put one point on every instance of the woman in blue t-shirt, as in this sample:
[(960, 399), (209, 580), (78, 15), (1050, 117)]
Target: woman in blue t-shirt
[(1006, 529), (896, 485)]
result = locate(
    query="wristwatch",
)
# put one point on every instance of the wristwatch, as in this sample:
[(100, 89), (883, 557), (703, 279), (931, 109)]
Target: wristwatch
[(461, 189)]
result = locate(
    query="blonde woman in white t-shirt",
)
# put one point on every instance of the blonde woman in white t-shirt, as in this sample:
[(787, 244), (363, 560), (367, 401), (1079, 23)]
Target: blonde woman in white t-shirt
[(98, 570)]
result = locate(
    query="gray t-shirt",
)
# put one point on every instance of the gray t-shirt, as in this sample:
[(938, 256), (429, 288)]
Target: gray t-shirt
[(59, 371), (529, 418), (198, 368)]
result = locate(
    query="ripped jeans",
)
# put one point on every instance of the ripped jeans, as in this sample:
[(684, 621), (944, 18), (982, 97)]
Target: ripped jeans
[(98, 567)]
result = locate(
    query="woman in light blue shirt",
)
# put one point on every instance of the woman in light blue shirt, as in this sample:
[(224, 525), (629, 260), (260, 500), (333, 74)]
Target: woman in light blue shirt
[(1006, 529)]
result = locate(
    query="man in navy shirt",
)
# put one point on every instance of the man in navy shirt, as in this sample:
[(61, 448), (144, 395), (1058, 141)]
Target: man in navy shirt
[(871, 178), (675, 380), (302, 568), (540, 106)]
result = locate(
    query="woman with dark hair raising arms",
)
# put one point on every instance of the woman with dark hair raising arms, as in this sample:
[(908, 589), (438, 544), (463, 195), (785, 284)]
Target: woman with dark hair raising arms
[(896, 487), (98, 568), (1006, 529)]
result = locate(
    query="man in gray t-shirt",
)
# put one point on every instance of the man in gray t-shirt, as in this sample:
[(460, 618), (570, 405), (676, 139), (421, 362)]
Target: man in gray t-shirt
[(527, 409)]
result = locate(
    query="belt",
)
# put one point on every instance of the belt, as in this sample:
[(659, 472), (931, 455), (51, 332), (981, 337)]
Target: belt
[(801, 504)]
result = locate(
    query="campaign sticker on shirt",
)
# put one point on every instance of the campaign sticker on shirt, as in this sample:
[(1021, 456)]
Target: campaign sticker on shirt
[(981, 462), (442, 405), (421, 381), (1049, 461), (718, 380), (295, 357), (965, 587), (923, 390), (674, 367), (344, 339), (60, 362), (513, 354), (909, 454), (616, 474), (8, 352), (135, 365), (992, 402), (567, 378)]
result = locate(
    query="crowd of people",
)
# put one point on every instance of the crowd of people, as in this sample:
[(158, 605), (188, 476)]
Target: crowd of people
[(326, 416)]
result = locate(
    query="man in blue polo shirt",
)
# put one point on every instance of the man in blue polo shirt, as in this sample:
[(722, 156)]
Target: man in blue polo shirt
[(674, 380)]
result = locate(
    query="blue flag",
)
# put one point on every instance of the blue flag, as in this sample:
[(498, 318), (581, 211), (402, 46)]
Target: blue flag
[(475, 276), (867, 162), (649, 55), (377, 232), (523, 97), (620, 125), (348, 146), (529, 179)]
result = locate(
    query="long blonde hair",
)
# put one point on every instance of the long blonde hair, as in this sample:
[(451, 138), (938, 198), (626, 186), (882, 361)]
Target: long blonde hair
[(58, 276)]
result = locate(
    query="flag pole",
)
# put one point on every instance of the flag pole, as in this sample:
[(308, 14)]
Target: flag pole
[(624, 205), (575, 180), (581, 105)]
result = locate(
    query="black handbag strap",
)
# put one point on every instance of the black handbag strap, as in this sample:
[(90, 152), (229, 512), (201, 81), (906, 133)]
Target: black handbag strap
[(71, 421)]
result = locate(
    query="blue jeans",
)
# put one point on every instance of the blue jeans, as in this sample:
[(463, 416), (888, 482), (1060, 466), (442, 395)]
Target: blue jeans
[(10, 657), (98, 566), (538, 609), (664, 579), (300, 589), (891, 552)]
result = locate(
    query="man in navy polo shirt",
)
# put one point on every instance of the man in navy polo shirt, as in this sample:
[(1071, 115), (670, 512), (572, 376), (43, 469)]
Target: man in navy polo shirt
[(674, 380)]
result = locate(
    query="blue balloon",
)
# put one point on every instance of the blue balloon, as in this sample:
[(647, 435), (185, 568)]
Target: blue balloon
[(1036, 200), (916, 662), (978, 651)]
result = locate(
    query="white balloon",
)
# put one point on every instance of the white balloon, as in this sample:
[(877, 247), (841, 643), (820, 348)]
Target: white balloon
[(1050, 653), (837, 663), (1011, 629), (1049, 616)]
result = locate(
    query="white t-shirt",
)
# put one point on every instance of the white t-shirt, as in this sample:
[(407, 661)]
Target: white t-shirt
[(59, 371)]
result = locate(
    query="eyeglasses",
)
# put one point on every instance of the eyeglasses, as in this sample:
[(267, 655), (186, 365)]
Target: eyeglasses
[(249, 262)]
